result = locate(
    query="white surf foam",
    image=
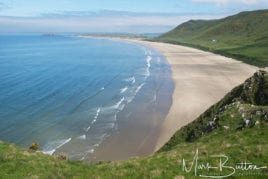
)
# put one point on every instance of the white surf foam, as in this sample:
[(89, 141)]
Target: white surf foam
[(148, 61), (93, 121), (52, 146), (82, 137), (131, 79), (96, 145), (123, 89), (87, 129), (147, 52), (112, 110), (96, 116), (147, 72), (133, 92), (129, 99), (91, 151), (119, 104), (110, 125), (139, 88), (97, 113)]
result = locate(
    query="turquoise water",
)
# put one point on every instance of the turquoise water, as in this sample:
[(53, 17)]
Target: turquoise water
[(65, 91)]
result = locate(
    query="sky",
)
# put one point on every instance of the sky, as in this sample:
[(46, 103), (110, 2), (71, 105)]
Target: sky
[(120, 16)]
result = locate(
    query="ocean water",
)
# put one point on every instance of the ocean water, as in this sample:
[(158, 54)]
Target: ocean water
[(71, 94)]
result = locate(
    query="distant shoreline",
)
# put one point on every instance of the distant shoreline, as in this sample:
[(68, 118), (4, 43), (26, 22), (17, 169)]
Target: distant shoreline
[(201, 79)]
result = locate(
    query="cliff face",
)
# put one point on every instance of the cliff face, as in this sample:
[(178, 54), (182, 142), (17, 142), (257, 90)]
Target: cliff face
[(245, 106), (255, 89)]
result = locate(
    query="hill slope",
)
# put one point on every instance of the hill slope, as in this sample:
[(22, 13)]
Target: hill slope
[(243, 36), (237, 126)]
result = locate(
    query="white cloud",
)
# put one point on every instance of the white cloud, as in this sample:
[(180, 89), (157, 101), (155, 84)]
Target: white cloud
[(225, 2), (132, 23)]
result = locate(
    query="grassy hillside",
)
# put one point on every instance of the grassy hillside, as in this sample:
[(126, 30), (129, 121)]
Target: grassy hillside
[(237, 126), (243, 36)]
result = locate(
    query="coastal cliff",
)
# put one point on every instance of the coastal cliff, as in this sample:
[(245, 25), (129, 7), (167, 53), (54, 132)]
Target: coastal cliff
[(245, 106)]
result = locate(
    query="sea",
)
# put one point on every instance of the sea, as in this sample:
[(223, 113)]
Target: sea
[(71, 94)]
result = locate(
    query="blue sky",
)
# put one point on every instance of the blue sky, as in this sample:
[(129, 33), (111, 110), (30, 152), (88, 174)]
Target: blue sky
[(137, 16)]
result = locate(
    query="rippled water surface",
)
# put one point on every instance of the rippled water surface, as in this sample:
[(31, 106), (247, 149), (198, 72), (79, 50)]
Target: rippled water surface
[(64, 91)]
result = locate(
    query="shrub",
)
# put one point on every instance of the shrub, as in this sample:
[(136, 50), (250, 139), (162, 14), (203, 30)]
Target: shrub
[(34, 146), (61, 156)]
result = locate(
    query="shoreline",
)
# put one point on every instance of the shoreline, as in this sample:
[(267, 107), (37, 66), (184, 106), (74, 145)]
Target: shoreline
[(200, 80), (137, 132)]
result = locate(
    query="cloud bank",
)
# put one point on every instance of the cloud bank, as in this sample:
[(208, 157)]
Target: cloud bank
[(42, 16), (228, 2), (105, 21)]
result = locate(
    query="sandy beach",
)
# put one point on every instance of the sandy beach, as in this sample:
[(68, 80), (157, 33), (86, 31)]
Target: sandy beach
[(201, 79)]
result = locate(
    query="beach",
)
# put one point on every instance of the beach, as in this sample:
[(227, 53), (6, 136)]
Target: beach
[(139, 122), (201, 80), (124, 98)]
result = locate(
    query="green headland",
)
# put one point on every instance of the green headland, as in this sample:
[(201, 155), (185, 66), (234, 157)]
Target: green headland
[(243, 36)]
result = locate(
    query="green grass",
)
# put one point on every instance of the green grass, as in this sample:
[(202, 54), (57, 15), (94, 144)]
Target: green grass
[(230, 137), (243, 36), (239, 146)]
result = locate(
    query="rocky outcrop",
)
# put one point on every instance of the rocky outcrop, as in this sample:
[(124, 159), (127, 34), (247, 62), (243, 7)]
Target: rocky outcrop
[(255, 89), (248, 102)]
